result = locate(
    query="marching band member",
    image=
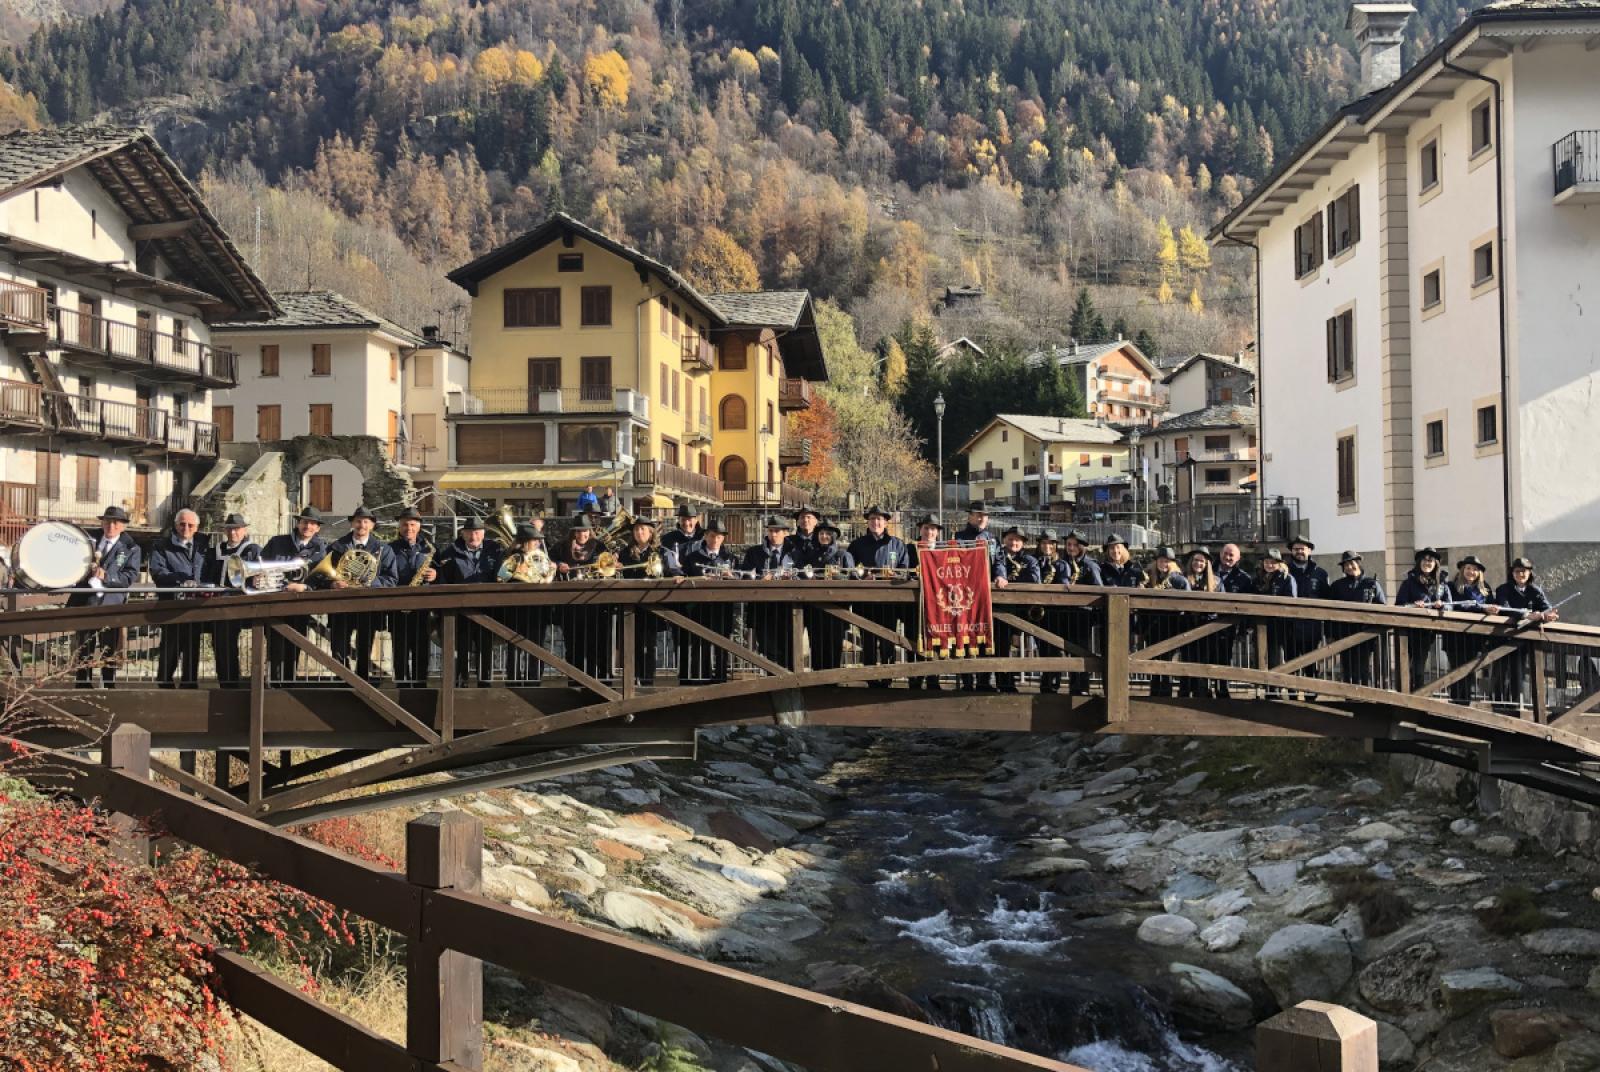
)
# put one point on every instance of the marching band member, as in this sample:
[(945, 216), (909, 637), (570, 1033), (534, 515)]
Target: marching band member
[(635, 562), (1201, 574), (235, 543), (117, 563), (1117, 568), (1520, 594), (699, 661), (409, 628), (1056, 572), (1426, 587), (685, 534), (178, 561), (527, 620), (1078, 625), (1310, 582), (305, 544), (1469, 591), (1233, 577), (587, 629), (1156, 627), (1355, 664), (1014, 566), (469, 560), (877, 550), (363, 623), (928, 533), (1275, 580), (798, 545), (771, 623), (828, 561), (978, 528)]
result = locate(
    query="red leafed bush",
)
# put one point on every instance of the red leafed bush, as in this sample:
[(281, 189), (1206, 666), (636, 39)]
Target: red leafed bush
[(103, 964), (349, 837)]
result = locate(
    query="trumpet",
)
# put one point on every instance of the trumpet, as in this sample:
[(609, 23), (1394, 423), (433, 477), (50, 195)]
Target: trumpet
[(604, 567)]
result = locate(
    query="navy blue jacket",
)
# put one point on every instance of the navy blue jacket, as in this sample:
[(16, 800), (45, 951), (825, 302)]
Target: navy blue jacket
[(408, 559), (174, 566), (632, 556), (700, 562), (1414, 589), (764, 558), (1531, 597), (122, 564), (388, 572), (1053, 570), (968, 534), (798, 545), (1310, 580), (880, 553), (1126, 576), (1275, 584), (1088, 570), (1362, 589), (1468, 597), (215, 569), (282, 547), (679, 542), (1237, 581), (818, 557), (1019, 568), (457, 565), (1178, 582)]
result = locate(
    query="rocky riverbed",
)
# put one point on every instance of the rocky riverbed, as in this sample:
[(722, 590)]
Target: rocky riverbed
[(1130, 905)]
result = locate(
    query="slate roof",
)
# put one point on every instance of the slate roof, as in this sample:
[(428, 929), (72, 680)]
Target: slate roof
[(1051, 429), (1210, 417), (322, 309), (149, 187), (1088, 351), (1215, 359), (762, 308)]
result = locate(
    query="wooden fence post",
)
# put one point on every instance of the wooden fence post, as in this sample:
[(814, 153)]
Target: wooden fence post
[(444, 989), (1119, 642), (1315, 1034), (128, 750)]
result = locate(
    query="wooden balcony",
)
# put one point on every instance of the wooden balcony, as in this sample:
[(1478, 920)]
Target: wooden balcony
[(795, 393), (698, 431), (28, 407), (794, 451), (412, 454), (21, 405), (697, 356), (23, 307), (547, 401), (88, 339), (675, 479), (760, 493), (185, 435)]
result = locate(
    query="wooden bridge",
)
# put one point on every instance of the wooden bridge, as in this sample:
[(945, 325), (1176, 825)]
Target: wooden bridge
[(560, 687)]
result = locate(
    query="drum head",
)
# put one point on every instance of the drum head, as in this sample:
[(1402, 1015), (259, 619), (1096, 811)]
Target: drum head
[(54, 554)]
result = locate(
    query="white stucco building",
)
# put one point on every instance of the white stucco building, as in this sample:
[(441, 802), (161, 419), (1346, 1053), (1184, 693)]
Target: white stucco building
[(1426, 260), (111, 272), (330, 369)]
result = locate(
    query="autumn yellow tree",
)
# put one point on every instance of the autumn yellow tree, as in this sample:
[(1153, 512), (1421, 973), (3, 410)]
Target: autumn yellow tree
[(744, 65), (608, 78), (1166, 258), (894, 369), (717, 263), (1193, 251)]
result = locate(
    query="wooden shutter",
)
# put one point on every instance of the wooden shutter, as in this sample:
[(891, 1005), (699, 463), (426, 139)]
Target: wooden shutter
[(223, 417), (47, 473), (269, 423), (321, 359), (422, 366), (88, 478), (1330, 332), (321, 492), (595, 306), (269, 359), (322, 418), (497, 444)]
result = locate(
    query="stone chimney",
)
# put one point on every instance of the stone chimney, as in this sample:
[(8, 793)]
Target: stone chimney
[(1378, 29)]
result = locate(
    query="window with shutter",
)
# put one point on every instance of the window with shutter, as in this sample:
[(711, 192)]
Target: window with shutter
[(594, 379), (532, 307), (500, 444), (596, 307), (321, 418), (320, 491), (1344, 221), (222, 416), (1308, 246), (47, 473), (1341, 346), (269, 360), (422, 370), (1346, 461), (269, 423), (732, 356), (88, 478), (321, 359), (734, 415)]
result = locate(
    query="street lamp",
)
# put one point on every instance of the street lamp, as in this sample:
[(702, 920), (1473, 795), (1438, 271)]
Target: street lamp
[(938, 466), (761, 476), (1133, 442)]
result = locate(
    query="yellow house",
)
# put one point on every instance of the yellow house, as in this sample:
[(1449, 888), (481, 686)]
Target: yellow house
[(596, 365), (1005, 458)]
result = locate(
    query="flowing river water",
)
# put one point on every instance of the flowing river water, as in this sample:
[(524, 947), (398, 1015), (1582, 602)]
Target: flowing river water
[(930, 911)]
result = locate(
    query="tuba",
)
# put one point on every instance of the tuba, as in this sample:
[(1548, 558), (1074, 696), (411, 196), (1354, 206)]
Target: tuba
[(357, 569), (262, 577), (534, 567)]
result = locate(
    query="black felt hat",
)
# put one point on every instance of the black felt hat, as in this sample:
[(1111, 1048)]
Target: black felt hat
[(526, 532), (361, 512), (1079, 535), (235, 521), (877, 511), (715, 528), (930, 520), (1049, 536), (1274, 554), (473, 524), (580, 524), (410, 513), (1522, 563), (776, 522), (308, 513), (1300, 538), (1349, 556), (1013, 531), (1427, 552), (1112, 541), (685, 510), (1473, 560)]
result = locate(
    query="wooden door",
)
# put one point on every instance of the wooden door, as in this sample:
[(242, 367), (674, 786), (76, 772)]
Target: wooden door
[(735, 475), (141, 495), (320, 488), (595, 382), (544, 374), (222, 416)]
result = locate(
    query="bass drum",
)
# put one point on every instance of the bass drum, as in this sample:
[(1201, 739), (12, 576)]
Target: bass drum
[(53, 554)]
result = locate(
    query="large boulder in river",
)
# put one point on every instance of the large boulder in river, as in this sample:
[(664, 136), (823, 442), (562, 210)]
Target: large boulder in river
[(1207, 1001), (1167, 930), (1401, 981), (1305, 961)]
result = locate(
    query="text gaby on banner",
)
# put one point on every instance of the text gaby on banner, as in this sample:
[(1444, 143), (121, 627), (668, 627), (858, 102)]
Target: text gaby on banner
[(957, 610)]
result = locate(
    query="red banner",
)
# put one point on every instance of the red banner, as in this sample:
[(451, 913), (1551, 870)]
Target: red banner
[(957, 612)]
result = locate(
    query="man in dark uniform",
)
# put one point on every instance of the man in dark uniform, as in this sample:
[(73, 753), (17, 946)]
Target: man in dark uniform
[(469, 561), (824, 631), (799, 544), (1054, 571), (1310, 582), (1522, 596), (771, 622), (305, 544), (409, 628), (586, 628), (685, 535), (1014, 566), (117, 563), (1083, 572), (1355, 664), (634, 560), (365, 623), (929, 532), (877, 550), (699, 661), (235, 543), (977, 528), (178, 561), (1235, 643)]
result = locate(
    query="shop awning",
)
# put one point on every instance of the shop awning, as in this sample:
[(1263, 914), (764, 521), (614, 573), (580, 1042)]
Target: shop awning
[(558, 478)]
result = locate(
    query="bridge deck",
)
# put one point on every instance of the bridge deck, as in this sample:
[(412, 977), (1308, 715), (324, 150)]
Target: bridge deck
[(563, 669)]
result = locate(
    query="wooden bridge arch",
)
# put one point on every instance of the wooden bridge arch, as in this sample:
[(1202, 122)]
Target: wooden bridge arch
[(1544, 735)]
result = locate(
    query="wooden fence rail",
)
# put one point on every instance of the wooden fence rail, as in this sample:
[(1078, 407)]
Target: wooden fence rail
[(450, 929)]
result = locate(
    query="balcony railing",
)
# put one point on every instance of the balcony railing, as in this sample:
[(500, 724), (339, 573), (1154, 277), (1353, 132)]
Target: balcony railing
[(1246, 454), (188, 436), (794, 450), (667, 477), (1577, 160), (1233, 518), (23, 305), (795, 393), (80, 332), (21, 403), (413, 454), (541, 401), (761, 493), (698, 430), (697, 356)]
